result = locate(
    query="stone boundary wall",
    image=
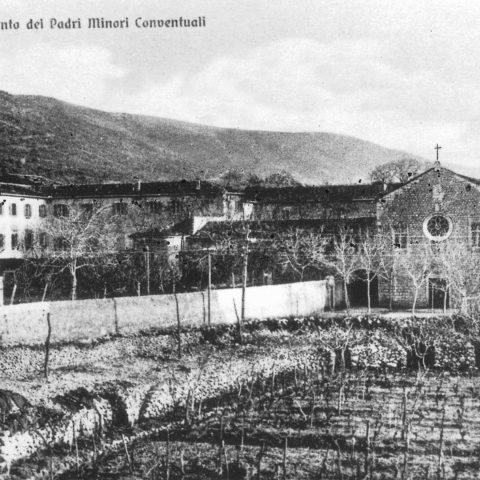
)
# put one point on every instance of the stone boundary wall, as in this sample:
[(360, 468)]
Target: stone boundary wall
[(84, 320)]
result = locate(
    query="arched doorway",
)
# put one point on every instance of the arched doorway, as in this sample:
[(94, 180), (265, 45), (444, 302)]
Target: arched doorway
[(438, 293), (358, 289)]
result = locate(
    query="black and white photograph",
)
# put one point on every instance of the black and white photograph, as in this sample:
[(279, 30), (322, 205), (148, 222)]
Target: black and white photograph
[(239, 240)]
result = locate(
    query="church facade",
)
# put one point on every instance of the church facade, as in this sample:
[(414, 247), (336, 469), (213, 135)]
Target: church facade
[(435, 214)]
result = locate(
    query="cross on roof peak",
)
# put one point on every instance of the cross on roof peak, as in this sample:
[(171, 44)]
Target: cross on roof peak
[(437, 148)]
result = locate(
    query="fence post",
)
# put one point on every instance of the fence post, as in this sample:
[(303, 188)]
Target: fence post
[(244, 284), (209, 288), (115, 318), (147, 267), (245, 274), (179, 333), (47, 346)]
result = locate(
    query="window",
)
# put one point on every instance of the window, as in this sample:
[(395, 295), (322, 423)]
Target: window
[(60, 243), (1, 207), (42, 211), (400, 235), (28, 239), (13, 209), (87, 209), (60, 210), (28, 210), (154, 207), (14, 241), (119, 208), (475, 229), (437, 227), (42, 239), (286, 214), (2, 241)]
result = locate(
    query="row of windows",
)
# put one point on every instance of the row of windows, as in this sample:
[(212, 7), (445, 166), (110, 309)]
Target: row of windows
[(62, 210), (27, 210), (59, 243), (28, 240), (118, 208)]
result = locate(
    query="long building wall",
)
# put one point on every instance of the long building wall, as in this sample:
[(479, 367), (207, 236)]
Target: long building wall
[(24, 217)]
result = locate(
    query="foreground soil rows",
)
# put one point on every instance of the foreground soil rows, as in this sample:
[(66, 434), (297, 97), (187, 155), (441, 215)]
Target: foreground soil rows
[(121, 404), (346, 426), (388, 423)]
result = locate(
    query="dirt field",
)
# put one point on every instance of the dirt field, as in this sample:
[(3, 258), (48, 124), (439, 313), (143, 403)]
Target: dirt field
[(294, 423), (358, 425)]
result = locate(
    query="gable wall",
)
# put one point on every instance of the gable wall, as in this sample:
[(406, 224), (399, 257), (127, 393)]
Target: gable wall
[(438, 191)]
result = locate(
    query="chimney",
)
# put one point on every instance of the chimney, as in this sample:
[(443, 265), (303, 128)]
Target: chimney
[(198, 185), (139, 185)]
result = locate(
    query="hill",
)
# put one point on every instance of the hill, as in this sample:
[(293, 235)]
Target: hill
[(69, 143)]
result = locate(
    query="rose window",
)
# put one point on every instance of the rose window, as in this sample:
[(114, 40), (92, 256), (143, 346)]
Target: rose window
[(437, 227)]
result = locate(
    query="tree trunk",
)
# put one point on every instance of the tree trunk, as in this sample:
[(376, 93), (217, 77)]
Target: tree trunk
[(390, 292), (415, 297), (345, 289), (74, 283), (179, 329), (369, 295)]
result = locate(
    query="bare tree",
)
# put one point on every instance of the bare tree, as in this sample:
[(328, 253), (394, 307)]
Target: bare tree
[(388, 254), (300, 250), (416, 263), (80, 237), (344, 257), (459, 268), (370, 251), (338, 339)]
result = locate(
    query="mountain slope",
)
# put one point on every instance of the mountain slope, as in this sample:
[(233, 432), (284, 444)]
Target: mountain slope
[(70, 143)]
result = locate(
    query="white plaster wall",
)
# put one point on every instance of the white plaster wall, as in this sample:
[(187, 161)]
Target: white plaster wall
[(18, 223), (89, 319)]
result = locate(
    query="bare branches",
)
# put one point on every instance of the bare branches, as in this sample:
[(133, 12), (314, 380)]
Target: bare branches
[(80, 238), (416, 263), (344, 259), (299, 250)]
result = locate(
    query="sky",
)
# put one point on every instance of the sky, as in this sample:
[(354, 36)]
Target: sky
[(405, 75)]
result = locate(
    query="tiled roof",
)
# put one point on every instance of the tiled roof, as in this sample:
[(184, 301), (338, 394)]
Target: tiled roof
[(264, 227), (128, 189), (181, 228), (323, 193), (476, 181), (15, 189), (15, 185)]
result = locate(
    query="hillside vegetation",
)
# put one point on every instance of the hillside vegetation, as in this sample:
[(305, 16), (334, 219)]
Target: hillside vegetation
[(69, 143)]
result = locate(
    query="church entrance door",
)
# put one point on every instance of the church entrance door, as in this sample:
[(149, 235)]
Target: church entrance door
[(438, 293), (358, 290)]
